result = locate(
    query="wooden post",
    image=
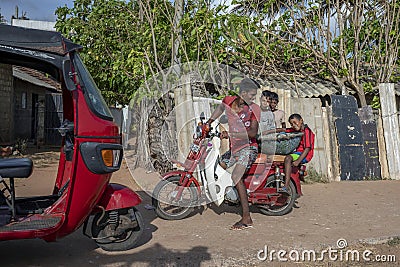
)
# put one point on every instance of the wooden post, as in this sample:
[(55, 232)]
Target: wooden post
[(334, 148), (382, 148), (390, 128)]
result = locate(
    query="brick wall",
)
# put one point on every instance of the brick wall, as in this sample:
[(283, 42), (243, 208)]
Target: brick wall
[(6, 97)]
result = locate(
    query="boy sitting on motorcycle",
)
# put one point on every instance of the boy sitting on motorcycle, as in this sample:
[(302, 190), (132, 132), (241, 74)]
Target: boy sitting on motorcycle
[(243, 116), (304, 152)]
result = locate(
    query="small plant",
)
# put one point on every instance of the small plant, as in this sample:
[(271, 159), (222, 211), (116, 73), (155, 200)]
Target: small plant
[(394, 241), (372, 178), (314, 177)]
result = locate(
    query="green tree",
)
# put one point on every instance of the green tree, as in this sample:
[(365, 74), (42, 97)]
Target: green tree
[(353, 43), (123, 41)]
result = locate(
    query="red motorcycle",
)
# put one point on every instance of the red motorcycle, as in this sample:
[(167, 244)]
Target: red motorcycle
[(204, 180), (91, 151)]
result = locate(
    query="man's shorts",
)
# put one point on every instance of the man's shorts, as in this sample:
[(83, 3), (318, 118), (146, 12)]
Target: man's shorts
[(296, 156), (245, 156)]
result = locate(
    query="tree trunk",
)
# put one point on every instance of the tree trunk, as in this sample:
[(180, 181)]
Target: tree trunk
[(142, 151), (361, 96)]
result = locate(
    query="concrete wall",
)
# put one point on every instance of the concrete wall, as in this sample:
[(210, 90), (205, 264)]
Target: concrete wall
[(6, 96)]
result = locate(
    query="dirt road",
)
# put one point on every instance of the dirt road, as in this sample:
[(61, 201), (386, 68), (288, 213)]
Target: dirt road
[(351, 211)]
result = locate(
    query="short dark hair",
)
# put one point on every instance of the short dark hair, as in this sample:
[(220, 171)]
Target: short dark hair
[(295, 116), (274, 96), (266, 93), (247, 85)]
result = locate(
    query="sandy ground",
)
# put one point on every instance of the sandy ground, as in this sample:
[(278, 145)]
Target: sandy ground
[(365, 214)]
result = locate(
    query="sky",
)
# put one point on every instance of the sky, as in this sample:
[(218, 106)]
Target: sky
[(34, 9)]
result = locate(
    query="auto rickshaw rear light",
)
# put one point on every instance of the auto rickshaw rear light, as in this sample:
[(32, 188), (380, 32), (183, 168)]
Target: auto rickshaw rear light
[(107, 156), (110, 157), (101, 158)]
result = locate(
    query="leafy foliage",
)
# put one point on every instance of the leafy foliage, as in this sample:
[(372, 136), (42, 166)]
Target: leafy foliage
[(354, 44), (117, 40), (351, 43)]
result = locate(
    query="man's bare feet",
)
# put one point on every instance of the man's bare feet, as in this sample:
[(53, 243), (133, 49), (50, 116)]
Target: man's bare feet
[(240, 226)]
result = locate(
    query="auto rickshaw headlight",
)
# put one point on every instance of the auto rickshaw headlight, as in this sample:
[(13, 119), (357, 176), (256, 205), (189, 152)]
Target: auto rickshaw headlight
[(111, 157)]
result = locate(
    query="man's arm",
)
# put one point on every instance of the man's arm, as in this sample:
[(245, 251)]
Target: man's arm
[(217, 112)]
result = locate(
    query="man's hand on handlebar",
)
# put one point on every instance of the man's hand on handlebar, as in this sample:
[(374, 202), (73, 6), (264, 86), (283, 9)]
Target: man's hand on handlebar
[(205, 129)]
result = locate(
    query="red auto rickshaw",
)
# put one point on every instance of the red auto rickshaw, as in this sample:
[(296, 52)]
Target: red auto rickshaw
[(91, 151)]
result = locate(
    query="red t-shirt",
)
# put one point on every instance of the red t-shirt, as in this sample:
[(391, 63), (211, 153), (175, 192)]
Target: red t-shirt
[(307, 140), (240, 122)]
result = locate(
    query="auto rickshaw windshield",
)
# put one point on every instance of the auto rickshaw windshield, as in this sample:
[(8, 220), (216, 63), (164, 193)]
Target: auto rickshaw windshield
[(92, 93)]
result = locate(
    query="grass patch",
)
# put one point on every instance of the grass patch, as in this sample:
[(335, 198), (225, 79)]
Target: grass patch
[(372, 178), (314, 177), (394, 241)]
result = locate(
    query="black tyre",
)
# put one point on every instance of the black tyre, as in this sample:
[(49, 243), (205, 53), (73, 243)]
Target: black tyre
[(285, 201), (125, 236), (165, 203)]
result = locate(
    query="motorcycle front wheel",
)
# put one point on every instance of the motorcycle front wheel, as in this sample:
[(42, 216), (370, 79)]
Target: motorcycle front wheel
[(283, 203), (117, 230), (166, 203)]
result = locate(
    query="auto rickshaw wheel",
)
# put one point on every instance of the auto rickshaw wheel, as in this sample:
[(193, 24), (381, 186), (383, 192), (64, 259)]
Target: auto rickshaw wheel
[(117, 230)]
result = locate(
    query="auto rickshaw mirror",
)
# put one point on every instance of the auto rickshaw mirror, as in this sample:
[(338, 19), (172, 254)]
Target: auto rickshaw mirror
[(68, 76)]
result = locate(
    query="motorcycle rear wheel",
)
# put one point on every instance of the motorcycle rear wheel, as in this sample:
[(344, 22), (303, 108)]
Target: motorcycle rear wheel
[(275, 210), (103, 233), (164, 202)]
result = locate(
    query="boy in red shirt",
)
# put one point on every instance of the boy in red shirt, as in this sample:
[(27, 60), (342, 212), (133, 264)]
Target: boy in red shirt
[(304, 152)]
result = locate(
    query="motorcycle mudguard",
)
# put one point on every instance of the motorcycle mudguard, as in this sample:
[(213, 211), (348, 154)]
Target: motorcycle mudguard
[(118, 196), (297, 183)]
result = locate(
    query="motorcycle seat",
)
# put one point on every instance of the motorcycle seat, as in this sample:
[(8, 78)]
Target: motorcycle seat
[(261, 159), (279, 158), (16, 168)]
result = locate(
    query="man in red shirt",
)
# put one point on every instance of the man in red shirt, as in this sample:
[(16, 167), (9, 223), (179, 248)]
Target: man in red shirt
[(304, 152), (243, 116)]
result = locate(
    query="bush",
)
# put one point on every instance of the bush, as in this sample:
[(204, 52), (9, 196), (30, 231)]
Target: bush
[(314, 177)]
